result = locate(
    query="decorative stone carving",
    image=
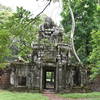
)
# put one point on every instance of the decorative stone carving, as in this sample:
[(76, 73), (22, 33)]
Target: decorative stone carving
[(50, 31)]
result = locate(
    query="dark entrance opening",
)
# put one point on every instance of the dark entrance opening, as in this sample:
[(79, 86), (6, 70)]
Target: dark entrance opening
[(49, 78), (21, 81), (77, 80)]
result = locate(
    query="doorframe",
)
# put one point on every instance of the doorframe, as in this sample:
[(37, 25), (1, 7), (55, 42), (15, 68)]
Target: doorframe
[(43, 77)]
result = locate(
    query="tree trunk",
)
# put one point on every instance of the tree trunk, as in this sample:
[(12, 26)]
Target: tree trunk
[(72, 32)]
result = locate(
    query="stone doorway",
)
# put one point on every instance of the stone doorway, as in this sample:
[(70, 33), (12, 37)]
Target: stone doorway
[(49, 78)]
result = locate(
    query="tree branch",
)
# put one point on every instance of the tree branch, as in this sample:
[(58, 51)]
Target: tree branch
[(39, 14)]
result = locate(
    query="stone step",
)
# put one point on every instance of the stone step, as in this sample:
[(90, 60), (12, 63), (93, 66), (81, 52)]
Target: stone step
[(48, 91)]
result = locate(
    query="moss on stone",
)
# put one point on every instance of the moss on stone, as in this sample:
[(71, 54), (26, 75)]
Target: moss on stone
[(3, 65)]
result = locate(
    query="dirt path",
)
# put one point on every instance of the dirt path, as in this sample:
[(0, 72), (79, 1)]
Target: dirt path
[(53, 96)]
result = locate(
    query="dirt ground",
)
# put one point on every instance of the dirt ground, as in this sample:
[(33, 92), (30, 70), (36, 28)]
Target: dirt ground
[(53, 96)]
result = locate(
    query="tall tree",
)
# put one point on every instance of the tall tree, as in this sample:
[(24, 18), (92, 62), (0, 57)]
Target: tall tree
[(84, 11), (15, 37)]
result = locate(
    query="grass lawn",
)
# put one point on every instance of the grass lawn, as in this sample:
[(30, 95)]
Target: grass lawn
[(94, 99), (93, 95), (6, 95)]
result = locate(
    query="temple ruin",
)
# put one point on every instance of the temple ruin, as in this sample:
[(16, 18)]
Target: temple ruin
[(51, 65)]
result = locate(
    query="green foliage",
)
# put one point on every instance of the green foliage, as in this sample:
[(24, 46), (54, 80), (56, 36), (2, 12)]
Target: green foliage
[(6, 95), (23, 33), (5, 13), (4, 45), (95, 54), (17, 33)]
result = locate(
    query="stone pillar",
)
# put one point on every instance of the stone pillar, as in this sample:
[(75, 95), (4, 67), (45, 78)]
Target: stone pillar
[(57, 78), (64, 76), (41, 76), (83, 77), (60, 78), (12, 78), (16, 78)]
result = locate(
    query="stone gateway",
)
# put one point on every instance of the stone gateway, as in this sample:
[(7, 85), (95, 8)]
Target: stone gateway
[(51, 65)]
